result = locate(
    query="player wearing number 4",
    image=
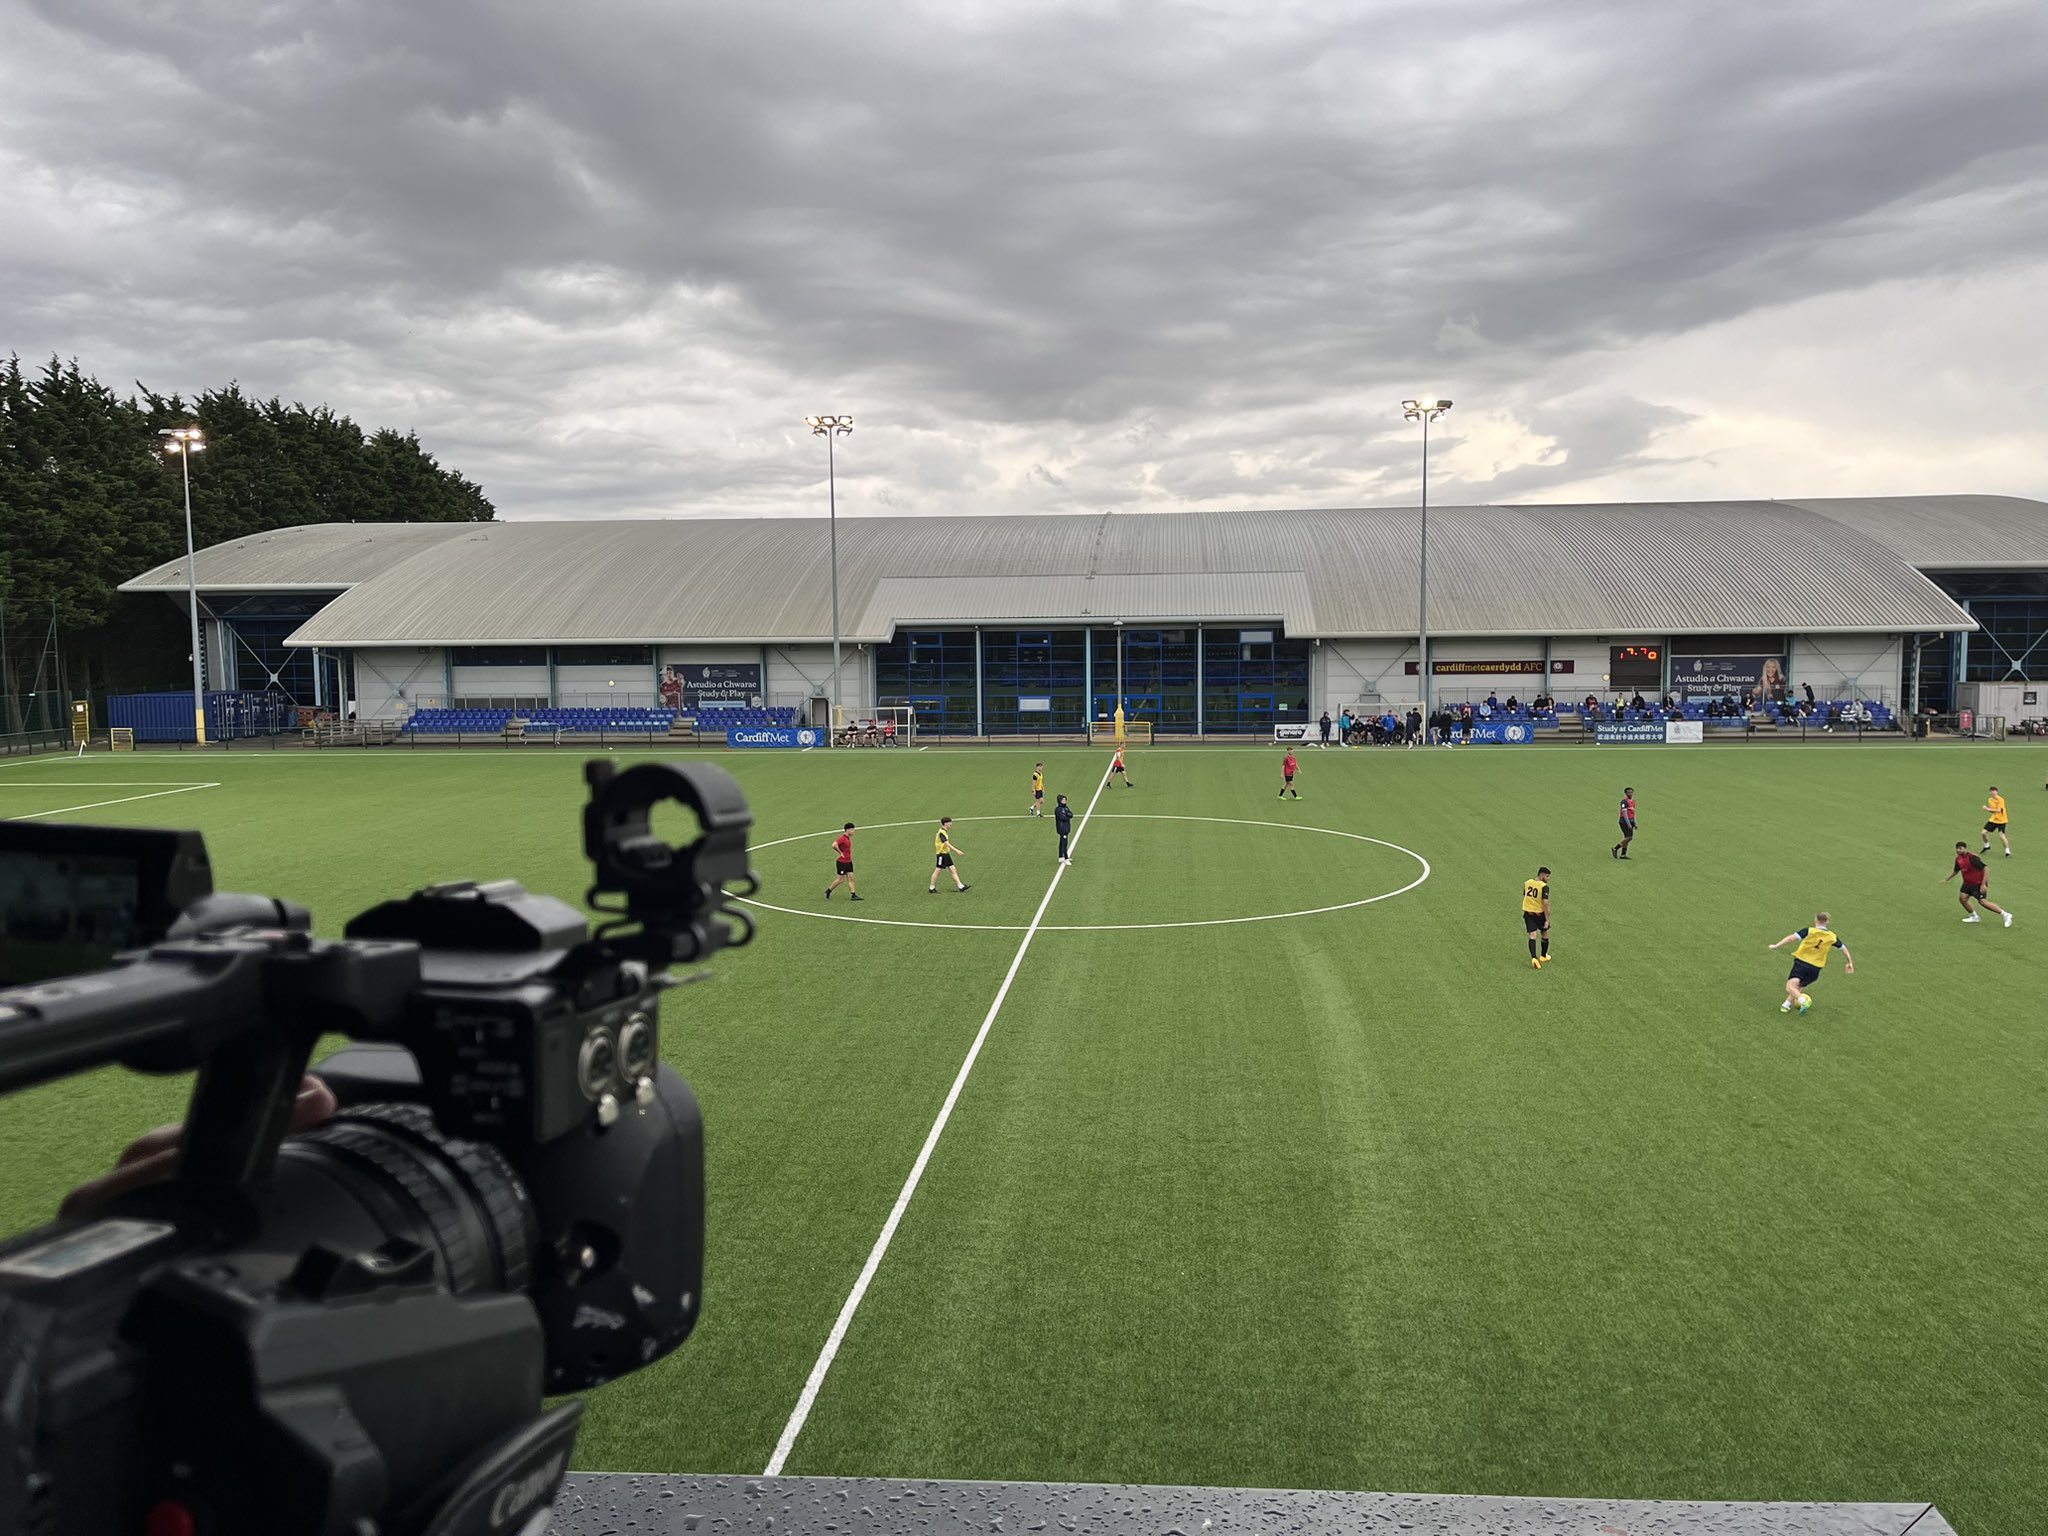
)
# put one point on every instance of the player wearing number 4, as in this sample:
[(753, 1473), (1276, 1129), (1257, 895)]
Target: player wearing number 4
[(1994, 810), (1808, 959), (944, 847), (1971, 868)]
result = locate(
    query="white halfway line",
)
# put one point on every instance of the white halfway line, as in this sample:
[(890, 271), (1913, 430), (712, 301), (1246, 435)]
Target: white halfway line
[(157, 794), (809, 1396)]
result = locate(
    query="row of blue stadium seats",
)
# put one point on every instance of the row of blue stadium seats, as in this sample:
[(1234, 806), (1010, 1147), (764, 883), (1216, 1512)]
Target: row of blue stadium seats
[(720, 716), (446, 721)]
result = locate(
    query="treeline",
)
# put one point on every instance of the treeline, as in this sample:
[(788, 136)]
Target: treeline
[(89, 500)]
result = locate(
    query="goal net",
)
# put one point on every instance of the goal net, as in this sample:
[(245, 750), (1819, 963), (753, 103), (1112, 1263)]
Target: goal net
[(1136, 733)]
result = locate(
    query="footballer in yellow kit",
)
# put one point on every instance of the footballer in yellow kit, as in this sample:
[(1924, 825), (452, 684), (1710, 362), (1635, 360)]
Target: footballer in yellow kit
[(1536, 917), (1995, 819), (1809, 959)]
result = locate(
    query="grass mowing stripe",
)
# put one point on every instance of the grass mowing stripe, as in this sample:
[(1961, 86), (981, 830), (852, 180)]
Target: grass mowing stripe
[(786, 1442), (66, 810)]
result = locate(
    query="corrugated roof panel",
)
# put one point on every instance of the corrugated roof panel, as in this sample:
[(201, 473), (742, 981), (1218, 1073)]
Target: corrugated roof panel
[(319, 556), (1948, 533), (1653, 568)]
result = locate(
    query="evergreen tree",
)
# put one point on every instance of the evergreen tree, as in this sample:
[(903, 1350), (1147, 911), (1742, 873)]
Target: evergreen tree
[(88, 500)]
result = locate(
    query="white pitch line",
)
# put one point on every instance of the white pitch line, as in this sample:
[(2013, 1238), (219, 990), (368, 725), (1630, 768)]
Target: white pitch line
[(66, 810), (809, 1396), (107, 784)]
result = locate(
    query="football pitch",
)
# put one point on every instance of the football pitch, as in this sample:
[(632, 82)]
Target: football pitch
[(1277, 1164)]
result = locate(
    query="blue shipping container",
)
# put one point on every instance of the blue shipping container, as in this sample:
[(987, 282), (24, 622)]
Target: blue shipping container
[(229, 716)]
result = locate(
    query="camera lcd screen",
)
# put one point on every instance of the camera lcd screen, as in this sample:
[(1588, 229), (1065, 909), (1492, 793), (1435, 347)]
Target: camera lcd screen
[(59, 915), (71, 898)]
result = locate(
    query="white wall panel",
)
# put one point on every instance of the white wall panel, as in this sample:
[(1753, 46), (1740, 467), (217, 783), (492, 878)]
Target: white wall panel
[(1847, 666), (391, 683)]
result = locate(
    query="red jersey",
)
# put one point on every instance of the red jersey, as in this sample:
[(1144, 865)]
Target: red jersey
[(1289, 766), (1971, 868), (843, 846), (1628, 807)]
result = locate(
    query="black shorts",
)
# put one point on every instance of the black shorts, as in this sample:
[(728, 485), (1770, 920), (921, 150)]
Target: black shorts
[(1628, 828), (1288, 777), (945, 861), (1806, 975), (1993, 826), (846, 866), (1532, 922), (1038, 794), (1974, 892)]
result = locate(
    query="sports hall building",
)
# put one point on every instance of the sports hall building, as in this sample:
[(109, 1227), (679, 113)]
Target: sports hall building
[(1203, 623)]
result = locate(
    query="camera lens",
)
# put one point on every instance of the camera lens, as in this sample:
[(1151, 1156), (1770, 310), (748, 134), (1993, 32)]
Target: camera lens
[(460, 1200), (597, 1064), (636, 1047)]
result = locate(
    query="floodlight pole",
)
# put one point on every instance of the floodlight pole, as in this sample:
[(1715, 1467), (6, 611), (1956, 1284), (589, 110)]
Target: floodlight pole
[(184, 442), (1424, 411), (829, 427)]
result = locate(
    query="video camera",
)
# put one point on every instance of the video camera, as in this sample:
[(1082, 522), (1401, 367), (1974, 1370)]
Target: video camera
[(350, 1331)]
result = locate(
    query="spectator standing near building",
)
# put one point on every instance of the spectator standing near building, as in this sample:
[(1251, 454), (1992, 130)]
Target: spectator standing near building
[(1414, 726), (1063, 821), (1323, 727)]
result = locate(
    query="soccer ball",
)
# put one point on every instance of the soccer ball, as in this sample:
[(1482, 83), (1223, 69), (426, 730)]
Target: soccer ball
[(1806, 1005)]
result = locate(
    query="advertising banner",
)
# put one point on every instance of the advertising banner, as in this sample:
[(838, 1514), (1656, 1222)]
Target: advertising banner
[(1497, 733), (1636, 731), (775, 736), (1684, 732), (1715, 677), (1301, 732), (690, 685), (1478, 668)]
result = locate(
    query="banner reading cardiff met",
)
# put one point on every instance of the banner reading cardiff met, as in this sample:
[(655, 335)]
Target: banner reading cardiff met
[(774, 736), (1715, 677)]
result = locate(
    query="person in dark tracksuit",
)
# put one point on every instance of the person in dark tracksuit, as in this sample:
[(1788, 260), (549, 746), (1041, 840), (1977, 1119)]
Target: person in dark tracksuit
[(1063, 818)]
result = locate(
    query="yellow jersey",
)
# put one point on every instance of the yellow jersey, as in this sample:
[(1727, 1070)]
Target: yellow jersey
[(1534, 894), (942, 844), (1996, 806), (1814, 945), (1038, 783)]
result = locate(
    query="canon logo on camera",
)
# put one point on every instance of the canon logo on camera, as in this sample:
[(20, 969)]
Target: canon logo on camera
[(522, 1493)]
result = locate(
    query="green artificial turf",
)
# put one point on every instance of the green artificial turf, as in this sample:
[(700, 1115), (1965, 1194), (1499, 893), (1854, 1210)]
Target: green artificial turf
[(1349, 1199)]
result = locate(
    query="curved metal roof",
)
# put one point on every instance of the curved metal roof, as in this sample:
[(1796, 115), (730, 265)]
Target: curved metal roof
[(1948, 533), (312, 557), (1640, 568)]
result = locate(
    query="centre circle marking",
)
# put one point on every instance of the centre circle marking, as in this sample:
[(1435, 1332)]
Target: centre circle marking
[(1203, 922)]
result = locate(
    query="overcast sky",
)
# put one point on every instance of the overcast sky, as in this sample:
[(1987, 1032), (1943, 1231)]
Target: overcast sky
[(604, 257)]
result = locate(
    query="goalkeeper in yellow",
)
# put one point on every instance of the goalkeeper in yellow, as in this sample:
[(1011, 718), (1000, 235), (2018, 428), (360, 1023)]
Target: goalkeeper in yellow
[(1809, 959)]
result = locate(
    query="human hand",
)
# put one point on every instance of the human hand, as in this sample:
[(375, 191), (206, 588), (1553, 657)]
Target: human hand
[(154, 1155)]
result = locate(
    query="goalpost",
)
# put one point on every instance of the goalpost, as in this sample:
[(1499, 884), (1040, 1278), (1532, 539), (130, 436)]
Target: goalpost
[(1135, 733)]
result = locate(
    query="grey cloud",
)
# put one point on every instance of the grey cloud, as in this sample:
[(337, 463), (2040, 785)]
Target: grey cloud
[(682, 227)]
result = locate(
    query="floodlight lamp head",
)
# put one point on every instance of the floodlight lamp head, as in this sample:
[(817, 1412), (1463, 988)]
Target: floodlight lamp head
[(822, 426), (1427, 408)]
